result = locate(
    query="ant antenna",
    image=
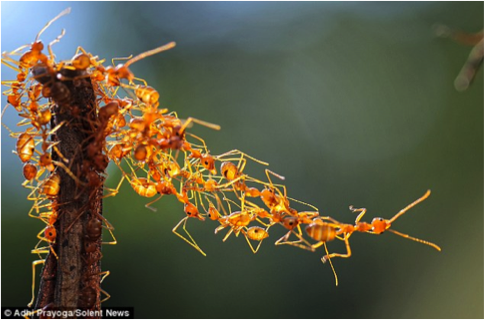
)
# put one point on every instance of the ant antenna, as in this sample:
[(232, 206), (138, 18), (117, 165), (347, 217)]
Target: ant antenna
[(433, 245), (143, 55), (63, 13), (413, 204)]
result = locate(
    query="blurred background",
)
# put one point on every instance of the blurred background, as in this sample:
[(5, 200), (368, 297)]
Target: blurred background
[(354, 103)]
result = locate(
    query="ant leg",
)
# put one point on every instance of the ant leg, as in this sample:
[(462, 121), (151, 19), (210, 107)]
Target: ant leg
[(274, 185), (274, 174), (336, 223), (141, 80), (250, 244), (108, 296), (229, 183), (220, 204), (38, 250), (115, 191), (2, 61), (362, 210), (121, 58), (221, 227), (422, 198), (34, 264), (148, 205), (228, 234), (201, 200), (201, 140), (317, 245), (236, 151), (105, 274), (303, 203), (330, 263), (200, 122), (296, 243), (332, 255), (110, 228), (45, 249), (69, 172), (263, 223), (433, 245), (192, 243)]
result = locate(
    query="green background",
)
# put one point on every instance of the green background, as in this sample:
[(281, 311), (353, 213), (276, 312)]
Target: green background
[(353, 102)]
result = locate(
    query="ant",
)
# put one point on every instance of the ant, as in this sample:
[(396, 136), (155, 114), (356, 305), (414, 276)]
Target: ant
[(380, 225), (324, 232), (192, 212), (114, 74)]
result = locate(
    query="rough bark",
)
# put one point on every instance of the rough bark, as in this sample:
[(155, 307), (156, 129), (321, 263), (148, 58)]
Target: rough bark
[(73, 280)]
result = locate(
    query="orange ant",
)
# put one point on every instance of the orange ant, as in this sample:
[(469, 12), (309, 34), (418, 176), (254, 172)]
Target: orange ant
[(292, 223), (192, 212), (49, 236), (31, 57), (380, 225), (327, 231), (114, 74), (238, 222)]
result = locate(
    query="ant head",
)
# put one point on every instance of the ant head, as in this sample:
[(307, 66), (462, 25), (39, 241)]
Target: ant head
[(252, 192), (208, 163), (229, 170), (179, 132), (50, 233), (89, 246), (44, 117), (213, 213), (81, 61), (41, 73), (30, 171), (171, 170), (165, 187), (141, 153), (108, 110), (289, 222), (268, 197), (192, 211), (37, 46), (122, 72), (379, 225), (137, 124), (45, 159)]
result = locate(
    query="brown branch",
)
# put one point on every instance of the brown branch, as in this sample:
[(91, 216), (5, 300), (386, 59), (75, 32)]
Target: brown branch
[(73, 280)]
